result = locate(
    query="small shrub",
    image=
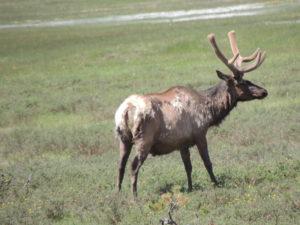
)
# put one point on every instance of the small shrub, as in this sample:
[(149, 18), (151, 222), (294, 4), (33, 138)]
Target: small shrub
[(56, 210)]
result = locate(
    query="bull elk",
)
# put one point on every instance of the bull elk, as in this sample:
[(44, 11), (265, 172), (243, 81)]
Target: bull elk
[(177, 119)]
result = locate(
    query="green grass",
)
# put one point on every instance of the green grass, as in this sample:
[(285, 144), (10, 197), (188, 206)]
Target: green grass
[(16, 11), (60, 87)]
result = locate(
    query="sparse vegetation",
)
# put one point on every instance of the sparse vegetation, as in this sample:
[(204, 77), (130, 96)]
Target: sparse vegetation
[(59, 89)]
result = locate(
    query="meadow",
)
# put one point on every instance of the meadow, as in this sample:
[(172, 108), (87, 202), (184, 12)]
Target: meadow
[(60, 87)]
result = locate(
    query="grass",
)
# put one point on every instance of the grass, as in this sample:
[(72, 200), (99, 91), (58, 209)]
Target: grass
[(15, 11), (60, 87)]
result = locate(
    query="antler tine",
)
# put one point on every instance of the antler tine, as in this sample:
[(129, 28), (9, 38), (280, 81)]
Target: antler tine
[(259, 60), (251, 57), (233, 43), (233, 59), (235, 49), (220, 55), (212, 40)]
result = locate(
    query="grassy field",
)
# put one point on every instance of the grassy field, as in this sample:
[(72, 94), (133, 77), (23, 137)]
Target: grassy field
[(36, 10), (60, 87)]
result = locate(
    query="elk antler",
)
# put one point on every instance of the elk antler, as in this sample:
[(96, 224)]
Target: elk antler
[(220, 55), (235, 63)]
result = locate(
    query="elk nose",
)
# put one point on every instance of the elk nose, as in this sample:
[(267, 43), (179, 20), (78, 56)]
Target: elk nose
[(264, 93)]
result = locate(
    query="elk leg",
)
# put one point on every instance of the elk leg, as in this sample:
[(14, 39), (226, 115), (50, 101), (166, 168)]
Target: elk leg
[(135, 166), (125, 149), (185, 156), (202, 148)]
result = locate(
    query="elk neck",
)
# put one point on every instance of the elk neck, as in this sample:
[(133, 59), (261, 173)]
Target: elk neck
[(220, 101)]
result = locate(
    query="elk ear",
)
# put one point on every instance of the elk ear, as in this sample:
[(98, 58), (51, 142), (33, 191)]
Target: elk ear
[(223, 76)]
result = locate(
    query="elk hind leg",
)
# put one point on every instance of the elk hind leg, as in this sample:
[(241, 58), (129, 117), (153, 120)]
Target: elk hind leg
[(142, 153), (125, 149)]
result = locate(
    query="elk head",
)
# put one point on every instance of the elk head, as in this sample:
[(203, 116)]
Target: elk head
[(243, 89)]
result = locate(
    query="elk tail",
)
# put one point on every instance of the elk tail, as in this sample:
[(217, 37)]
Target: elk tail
[(121, 119)]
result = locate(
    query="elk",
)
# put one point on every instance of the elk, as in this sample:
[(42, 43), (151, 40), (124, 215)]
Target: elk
[(178, 118)]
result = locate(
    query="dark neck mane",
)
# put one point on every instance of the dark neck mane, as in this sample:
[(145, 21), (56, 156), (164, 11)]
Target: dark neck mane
[(220, 102)]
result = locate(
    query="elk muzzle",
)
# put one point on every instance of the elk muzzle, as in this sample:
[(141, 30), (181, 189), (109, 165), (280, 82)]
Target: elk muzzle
[(258, 92)]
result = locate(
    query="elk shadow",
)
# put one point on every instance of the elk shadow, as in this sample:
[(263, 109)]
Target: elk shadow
[(166, 188), (169, 188), (198, 187), (224, 179)]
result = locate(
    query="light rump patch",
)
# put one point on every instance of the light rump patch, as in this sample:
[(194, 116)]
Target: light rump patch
[(136, 105)]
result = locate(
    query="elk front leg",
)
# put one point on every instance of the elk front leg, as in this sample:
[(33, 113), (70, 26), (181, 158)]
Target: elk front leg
[(185, 156), (125, 149), (202, 148)]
